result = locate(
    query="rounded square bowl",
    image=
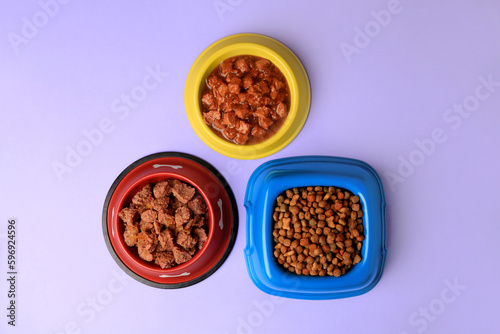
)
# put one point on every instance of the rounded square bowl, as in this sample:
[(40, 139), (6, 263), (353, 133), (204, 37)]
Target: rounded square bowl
[(272, 178)]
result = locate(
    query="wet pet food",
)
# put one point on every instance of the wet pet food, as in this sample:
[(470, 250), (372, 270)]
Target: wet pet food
[(245, 100), (166, 222)]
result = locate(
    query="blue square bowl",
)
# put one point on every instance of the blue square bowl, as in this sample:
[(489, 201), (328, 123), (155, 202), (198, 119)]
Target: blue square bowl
[(272, 178)]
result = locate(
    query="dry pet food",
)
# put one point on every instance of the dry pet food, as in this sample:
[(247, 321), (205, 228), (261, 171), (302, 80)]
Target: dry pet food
[(167, 222), (318, 230), (245, 99)]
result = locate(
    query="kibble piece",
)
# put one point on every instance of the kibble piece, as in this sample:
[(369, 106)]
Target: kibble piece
[(294, 210), (286, 223)]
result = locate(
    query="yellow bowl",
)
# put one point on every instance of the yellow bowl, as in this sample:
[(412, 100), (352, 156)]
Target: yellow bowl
[(255, 45)]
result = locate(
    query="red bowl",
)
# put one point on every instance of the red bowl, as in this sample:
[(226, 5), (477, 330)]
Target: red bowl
[(222, 225)]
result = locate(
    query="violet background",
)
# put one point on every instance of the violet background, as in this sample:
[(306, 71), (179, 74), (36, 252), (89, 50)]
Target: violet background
[(442, 220)]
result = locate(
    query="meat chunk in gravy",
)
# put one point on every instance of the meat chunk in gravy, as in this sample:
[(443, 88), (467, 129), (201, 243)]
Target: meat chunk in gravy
[(183, 192), (181, 255), (165, 259)]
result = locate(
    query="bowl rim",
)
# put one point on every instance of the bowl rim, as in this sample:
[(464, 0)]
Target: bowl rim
[(266, 273), (283, 58), (233, 219)]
